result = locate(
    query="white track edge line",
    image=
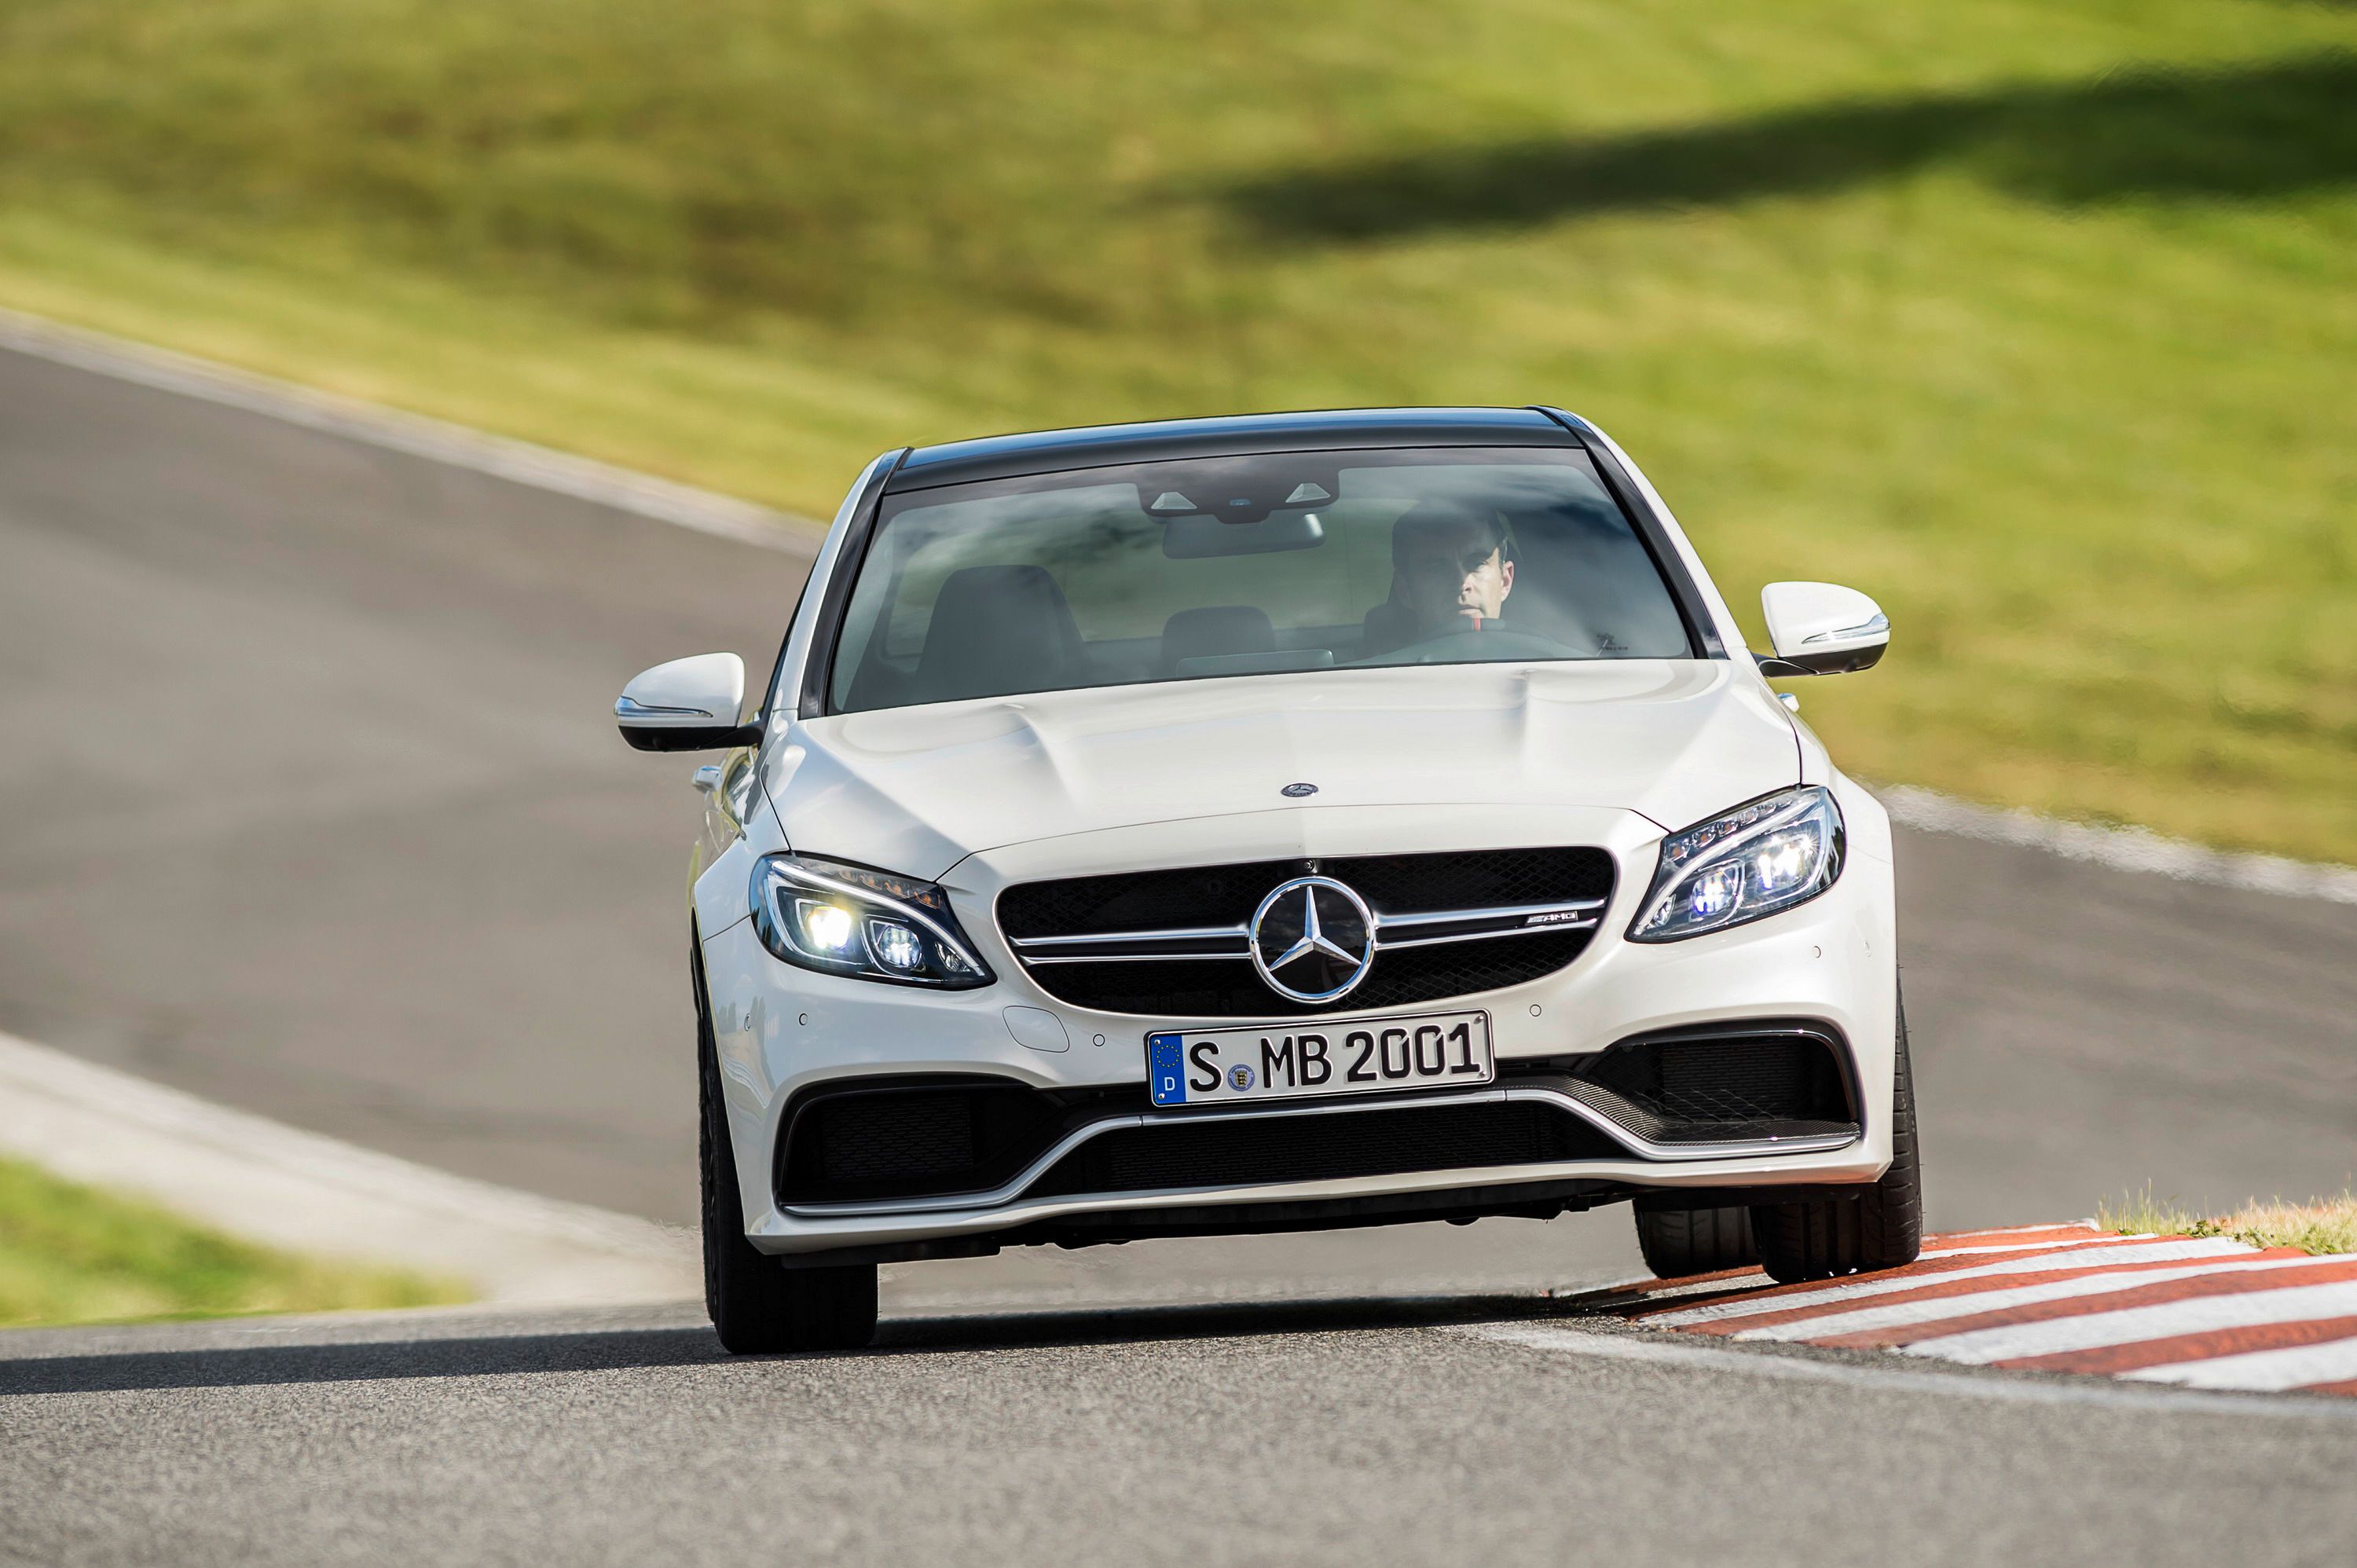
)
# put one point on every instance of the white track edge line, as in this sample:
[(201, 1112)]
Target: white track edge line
[(288, 1187), (457, 445), (2119, 849), (1981, 1384)]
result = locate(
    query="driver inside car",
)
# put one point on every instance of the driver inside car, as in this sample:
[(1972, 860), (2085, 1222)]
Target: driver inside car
[(1452, 568)]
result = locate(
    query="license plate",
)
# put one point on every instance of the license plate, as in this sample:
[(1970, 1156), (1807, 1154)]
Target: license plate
[(1201, 1067)]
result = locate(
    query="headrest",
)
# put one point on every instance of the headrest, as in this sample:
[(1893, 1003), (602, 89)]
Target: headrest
[(1216, 629), (997, 629)]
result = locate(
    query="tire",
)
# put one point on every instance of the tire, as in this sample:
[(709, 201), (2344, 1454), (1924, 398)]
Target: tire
[(758, 1307), (1696, 1242), (1876, 1226)]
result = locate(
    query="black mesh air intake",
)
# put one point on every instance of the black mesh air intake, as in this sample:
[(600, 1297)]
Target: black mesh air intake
[(929, 1138), (1216, 1151), (1782, 1081)]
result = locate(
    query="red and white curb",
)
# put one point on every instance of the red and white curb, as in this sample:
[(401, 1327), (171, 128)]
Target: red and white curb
[(2208, 1312)]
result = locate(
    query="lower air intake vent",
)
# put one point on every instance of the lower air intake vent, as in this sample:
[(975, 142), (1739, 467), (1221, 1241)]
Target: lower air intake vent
[(859, 1143), (1251, 1151), (1770, 1081)]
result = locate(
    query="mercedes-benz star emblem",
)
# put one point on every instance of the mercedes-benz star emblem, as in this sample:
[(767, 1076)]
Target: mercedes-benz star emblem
[(1298, 791), (1312, 939)]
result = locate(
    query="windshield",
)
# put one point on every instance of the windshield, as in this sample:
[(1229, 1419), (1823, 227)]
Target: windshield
[(1202, 568)]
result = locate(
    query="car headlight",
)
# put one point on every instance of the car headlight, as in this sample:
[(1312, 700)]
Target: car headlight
[(1754, 861), (847, 920)]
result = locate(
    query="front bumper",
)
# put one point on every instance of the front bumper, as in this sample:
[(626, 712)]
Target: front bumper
[(780, 1030)]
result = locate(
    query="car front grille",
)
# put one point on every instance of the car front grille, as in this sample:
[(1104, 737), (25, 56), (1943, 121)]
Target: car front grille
[(1172, 943)]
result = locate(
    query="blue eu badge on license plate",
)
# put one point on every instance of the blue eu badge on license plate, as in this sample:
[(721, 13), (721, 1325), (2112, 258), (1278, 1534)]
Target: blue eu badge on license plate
[(1166, 1072)]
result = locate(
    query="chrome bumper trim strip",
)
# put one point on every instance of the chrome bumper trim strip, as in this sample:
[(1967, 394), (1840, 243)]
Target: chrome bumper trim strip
[(1496, 1093)]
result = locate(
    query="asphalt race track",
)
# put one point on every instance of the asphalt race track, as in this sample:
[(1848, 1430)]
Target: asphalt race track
[(1370, 1433), (313, 806)]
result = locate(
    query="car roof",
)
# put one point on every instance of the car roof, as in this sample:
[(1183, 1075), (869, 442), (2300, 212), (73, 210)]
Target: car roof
[(1103, 445)]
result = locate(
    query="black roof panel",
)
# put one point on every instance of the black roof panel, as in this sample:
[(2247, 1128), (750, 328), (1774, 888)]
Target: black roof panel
[(1101, 445)]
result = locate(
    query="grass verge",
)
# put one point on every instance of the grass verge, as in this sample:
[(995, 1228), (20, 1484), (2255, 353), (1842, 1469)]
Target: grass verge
[(69, 1254), (2324, 1225), (2034, 322)]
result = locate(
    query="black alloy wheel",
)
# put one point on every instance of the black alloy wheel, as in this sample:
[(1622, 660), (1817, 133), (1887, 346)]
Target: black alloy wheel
[(1876, 1227), (759, 1306)]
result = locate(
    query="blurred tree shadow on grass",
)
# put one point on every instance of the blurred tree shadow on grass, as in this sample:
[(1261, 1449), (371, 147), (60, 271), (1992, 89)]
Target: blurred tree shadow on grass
[(2248, 132)]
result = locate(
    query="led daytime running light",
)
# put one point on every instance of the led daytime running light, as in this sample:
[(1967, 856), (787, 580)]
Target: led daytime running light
[(1756, 860)]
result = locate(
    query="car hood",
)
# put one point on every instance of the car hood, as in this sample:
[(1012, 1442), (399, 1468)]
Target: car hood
[(916, 789)]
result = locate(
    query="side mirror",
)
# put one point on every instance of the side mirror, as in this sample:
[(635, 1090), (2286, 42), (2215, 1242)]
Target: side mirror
[(1822, 628), (688, 704)]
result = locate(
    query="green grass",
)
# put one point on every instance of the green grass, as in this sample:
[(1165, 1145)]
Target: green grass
[(2039, 323), (2322, 1225), (72, 1254)]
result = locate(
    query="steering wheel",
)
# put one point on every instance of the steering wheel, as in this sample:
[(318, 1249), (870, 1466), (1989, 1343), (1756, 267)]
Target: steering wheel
[(1490, 644)]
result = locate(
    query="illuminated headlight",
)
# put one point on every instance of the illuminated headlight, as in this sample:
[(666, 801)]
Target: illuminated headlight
[(826, 929), (1754, 861), (847, 920)]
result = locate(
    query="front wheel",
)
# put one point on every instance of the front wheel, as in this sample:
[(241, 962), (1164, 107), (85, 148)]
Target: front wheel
[(1880, 1227), (1696, 1242), (758, 1307)]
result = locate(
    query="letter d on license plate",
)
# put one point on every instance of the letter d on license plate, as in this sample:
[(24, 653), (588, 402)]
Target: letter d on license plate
[(1294, 1061)]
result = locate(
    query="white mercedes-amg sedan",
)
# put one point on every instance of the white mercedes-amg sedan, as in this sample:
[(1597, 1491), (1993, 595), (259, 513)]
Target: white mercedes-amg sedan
[(1272, 824)]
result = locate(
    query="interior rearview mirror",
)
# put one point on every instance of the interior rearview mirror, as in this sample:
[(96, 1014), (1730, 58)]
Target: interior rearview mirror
[(1822, 628), (688, 704), (1195, 538)]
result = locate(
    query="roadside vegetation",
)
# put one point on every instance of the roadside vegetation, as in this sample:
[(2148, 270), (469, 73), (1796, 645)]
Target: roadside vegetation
[(72, 1254), (2036, 322), (2324, 1225)]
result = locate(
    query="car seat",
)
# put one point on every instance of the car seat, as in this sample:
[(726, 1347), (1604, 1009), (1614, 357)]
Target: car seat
[(997, 629), (1215, 630)]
